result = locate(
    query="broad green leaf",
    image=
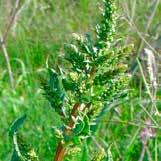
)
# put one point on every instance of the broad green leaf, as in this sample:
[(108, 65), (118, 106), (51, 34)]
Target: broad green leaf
[(16, 125)]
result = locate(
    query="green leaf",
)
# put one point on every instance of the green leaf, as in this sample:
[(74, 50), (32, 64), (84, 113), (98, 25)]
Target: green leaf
[(54, 82), (86, 129), (15, 156), (53, 91), (76, 140), (79, 127), (16, 125), (69, 85)]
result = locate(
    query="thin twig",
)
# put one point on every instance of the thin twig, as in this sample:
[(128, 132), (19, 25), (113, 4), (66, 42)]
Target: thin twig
[(130, 123), (134, 27), (150, 116), (149, 154), (6, 57), (156, 149), (12, 19), (130, 21), (143, 151), (147, 26), (3, 40), (147, 87), (133, 6)]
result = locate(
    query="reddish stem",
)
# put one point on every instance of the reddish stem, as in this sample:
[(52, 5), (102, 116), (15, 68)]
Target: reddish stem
[(59, 152), (60, 148)]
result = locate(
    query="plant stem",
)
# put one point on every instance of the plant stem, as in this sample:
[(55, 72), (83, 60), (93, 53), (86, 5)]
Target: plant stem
[(8, 65), (60, 148), (11, 20), (3, 42), (143, 151), (59, 152)]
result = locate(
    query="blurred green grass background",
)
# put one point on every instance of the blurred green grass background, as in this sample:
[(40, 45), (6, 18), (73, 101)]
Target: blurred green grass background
[(41, 29)]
